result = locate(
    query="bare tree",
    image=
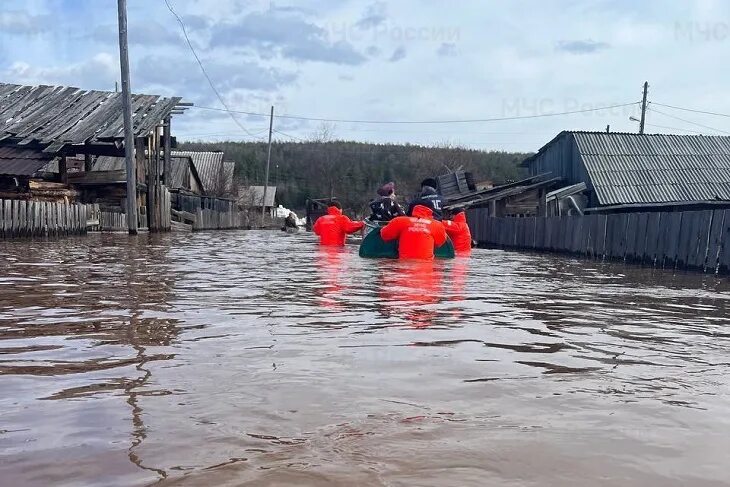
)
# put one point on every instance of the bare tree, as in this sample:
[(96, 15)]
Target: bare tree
[(323, 135)]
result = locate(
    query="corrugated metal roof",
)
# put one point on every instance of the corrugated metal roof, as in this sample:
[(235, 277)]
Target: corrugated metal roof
[(254, 195), (656, 168), (55, 116), (213, 175), (626, 168), (21, 162)]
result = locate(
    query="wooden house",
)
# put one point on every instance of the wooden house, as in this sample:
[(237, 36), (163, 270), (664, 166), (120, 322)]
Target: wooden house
[(40, 125), (623, 172)]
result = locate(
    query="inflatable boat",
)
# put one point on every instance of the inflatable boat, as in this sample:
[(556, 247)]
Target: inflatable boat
[(374, 247)]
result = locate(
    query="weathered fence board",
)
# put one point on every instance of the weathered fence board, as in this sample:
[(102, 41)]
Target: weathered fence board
[(686, 240), (714, 244), (671, 236), (22, 219), (724, 259)]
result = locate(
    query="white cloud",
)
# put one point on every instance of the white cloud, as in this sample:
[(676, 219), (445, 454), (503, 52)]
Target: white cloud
[(99, 72), (325, 59)]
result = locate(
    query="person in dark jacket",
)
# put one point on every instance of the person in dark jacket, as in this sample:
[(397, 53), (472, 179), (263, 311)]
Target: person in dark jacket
[(384, 208), (430, 198)]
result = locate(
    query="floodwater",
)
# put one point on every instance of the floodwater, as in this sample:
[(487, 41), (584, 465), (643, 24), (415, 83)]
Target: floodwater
[(255, 358)]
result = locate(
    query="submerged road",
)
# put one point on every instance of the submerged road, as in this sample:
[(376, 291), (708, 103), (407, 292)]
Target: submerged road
[(256, 358)]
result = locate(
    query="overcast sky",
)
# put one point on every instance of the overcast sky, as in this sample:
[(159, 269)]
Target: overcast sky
[(405, 60)]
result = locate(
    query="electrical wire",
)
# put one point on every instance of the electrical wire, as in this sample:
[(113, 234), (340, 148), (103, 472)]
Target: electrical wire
[(202, 68), (691, 110), (291, 136), (673, 128), (687, 121), (476, 120)]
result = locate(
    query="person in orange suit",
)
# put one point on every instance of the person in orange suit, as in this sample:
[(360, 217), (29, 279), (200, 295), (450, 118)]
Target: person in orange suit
[(459, 233), (417, 235), (333, 227)]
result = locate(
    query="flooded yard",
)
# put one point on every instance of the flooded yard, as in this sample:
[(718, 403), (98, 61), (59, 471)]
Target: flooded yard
[(257, 358)]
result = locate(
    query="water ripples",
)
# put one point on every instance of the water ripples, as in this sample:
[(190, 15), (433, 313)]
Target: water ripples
[(255, 357)]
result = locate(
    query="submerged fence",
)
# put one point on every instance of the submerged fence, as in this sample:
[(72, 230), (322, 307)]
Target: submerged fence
[(20, 218), (698, 240), (208, 213)]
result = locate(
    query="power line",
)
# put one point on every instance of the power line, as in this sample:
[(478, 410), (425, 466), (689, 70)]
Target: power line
[(291, 136), (688, 121), (692, 110), (202, 68), (674, 128), (476, 120)]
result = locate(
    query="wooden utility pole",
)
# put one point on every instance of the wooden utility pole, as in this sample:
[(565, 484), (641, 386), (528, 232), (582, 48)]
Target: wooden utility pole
[(167, 144), (127, 111), (643, 107), (268, 164)]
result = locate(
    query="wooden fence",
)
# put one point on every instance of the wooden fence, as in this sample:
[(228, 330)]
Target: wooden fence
[(209, 213), (19, 218), (698, 240)]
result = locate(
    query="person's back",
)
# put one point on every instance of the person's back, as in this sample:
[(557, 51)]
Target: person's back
[(384, 208), (458, 231), (417, 235), (429, 198), (333, 227)]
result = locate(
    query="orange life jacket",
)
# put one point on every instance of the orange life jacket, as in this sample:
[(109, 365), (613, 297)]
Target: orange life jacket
[(417, 235), (333, 227), (459, 233)]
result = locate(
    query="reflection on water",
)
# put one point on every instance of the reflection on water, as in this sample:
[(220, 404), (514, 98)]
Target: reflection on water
[(238, 358)]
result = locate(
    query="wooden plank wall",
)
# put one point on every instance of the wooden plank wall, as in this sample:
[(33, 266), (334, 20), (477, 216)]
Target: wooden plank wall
[(696, 240), (210, 213), (20, 219)]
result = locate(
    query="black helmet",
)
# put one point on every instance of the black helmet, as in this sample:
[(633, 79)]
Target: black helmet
[(430, 182)]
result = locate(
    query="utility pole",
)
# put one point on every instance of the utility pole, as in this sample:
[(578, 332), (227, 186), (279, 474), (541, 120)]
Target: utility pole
[(268, 163), (643, 108), (127, 110)]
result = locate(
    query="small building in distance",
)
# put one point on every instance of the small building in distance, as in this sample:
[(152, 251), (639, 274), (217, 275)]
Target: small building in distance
[(215, 174), (624, 172), (184, 176), (252, 197)]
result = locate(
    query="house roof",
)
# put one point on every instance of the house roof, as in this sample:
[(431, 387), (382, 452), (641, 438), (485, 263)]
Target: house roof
[(178, 168), (212, 170), (22, 162), (653, 168), (55, 116), (255, 195), (109, 163)]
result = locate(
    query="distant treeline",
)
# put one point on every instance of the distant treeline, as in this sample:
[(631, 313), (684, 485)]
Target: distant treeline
[(352, 171)]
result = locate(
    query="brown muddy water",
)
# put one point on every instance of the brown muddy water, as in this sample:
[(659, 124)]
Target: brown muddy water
[(252, 358)]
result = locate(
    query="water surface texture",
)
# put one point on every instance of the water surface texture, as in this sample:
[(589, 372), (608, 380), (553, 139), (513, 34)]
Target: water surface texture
[(254, 358)]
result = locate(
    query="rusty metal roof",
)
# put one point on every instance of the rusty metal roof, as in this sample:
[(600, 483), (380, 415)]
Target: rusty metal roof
[(54, 116), (21, 162), (626, 168)]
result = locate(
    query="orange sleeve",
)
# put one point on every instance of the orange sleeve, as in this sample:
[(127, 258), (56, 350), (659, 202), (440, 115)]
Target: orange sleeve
[(450, 227), (392, 230), (439, 233), (351, 226)]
